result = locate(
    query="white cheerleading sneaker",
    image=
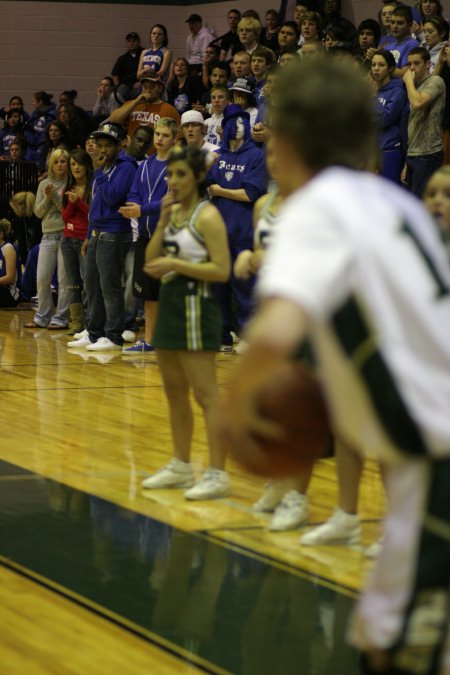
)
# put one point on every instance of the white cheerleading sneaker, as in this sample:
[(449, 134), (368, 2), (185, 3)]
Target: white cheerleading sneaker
[(213, 484), (374, 550), (290, 513), (271, 497), (175, 474), (342, 528)]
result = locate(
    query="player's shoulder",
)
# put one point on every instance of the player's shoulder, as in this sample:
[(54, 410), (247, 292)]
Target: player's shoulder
[(338, 187), (349, 198)]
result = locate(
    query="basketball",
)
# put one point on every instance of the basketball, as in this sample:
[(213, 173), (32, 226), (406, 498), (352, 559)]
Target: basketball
[(292, 399)]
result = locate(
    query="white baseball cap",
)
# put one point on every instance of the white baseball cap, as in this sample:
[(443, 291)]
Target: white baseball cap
[(192, 116)]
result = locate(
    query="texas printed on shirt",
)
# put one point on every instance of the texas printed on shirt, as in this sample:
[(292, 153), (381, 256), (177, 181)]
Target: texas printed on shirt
[(148, 114)]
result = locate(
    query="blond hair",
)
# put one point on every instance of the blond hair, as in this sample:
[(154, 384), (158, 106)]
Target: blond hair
[(56, 154), (22, 203), (169, 123), (5, 228), (250, 23)]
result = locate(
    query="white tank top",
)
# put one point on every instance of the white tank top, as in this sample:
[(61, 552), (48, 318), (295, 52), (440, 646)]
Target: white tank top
[(185, 241)]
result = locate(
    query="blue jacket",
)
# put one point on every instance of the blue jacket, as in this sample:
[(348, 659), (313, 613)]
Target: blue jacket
[(400, 50), (259, 96), (391, 105), (109, 192), (7, 136), (148, 188), (245, 169), (34, 132)]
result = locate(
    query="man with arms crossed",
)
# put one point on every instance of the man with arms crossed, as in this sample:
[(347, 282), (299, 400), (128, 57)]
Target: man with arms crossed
[(357, 265)]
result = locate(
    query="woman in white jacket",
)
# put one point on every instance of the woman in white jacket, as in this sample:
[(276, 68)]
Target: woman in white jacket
[(48, 207)]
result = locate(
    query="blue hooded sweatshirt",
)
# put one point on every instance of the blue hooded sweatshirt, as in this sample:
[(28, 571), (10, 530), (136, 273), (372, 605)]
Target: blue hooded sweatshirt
[(400, 49), (34, 132), (148, 188), (109, 192), (245, 168), (392, 107)]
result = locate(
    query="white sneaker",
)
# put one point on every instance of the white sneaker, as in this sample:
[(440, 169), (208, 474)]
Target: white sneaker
[(241, 347), (374, 550), (128, 336), (213, 484), (176, 474), (291, 513), (81, 342), (342, 528), (271, 497), (103, 344), (78, 336)]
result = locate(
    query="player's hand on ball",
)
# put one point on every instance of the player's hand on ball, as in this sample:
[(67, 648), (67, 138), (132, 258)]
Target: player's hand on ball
[(279, 427), (240, 428)]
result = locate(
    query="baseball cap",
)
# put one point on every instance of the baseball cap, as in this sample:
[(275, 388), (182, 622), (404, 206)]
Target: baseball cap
[(151, 78), (110, 131), (192, 116), (243, 84), (193, 17), (132, 36)]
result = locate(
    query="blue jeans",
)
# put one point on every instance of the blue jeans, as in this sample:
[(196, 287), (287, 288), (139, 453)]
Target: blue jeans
[(241, 290), (392, 162), (75, 264), (420, 169), (105, 260), (50, 256), (130, 300)]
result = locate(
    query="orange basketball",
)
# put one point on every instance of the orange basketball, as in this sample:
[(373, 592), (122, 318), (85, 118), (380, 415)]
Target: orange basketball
[(294, 400)]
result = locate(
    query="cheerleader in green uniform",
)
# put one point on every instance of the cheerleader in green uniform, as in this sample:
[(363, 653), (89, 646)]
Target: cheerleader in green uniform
[(189, 252)]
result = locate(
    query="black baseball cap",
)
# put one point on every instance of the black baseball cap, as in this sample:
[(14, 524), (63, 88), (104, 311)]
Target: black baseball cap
[(109, 131), (132, 36), (193, 17)]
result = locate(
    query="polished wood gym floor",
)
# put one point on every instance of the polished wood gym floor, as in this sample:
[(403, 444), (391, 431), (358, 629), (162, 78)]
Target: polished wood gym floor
[(98, 577)]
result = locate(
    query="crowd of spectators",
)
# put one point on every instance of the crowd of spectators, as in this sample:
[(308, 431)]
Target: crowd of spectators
[(403, 53), (103, 174)]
